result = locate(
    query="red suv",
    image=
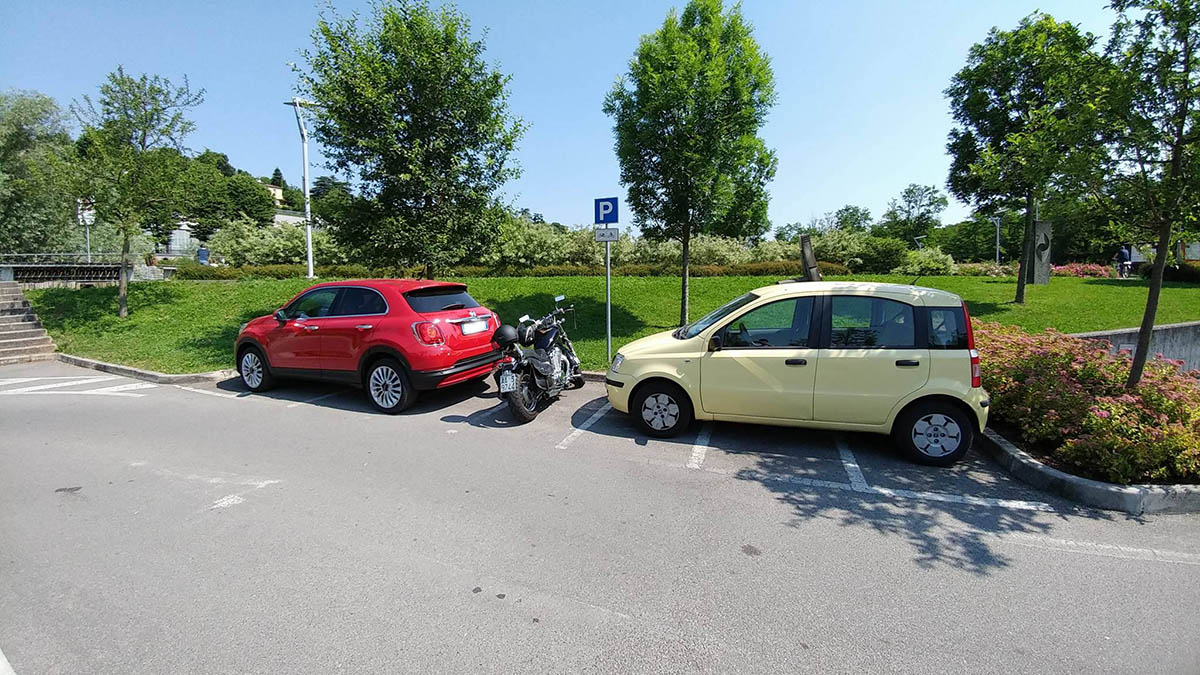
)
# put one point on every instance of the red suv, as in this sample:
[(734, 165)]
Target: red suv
[(393, 337)]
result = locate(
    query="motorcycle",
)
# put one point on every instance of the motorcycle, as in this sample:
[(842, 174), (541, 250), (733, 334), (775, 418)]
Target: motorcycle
[(527, 378)]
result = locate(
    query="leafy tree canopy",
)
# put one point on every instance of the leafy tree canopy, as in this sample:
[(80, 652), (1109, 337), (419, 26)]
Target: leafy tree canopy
[(407, 103), (686, 119), (37, 206), (913, 214)]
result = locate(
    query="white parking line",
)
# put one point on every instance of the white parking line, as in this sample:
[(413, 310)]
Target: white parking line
[(5, 667), (566, 442), (850, 464), (1012, 504), (317, 398), (132, 386), (700, 448), (206, 392), (55, 385)]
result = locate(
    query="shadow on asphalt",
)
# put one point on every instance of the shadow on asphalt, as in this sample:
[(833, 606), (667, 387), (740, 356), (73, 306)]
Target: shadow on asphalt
[(351, 399), (941, 534), (619, 425)]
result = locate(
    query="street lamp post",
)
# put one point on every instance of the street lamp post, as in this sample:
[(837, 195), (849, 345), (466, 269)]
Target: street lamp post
[(298, 103), (996, 220)]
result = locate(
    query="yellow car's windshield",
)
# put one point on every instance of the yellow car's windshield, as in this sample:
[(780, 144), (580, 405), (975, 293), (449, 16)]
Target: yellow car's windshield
[(696, 327)]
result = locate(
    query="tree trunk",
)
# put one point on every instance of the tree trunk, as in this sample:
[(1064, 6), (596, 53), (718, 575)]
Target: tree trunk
[(683, 303), (1025, 267), (123, 280), (1161, 251)]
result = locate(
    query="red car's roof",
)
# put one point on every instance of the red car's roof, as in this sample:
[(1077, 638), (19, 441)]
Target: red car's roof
[(400, 285)]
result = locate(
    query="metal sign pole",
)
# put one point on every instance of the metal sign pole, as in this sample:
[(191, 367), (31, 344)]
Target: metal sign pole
[(608, 300)]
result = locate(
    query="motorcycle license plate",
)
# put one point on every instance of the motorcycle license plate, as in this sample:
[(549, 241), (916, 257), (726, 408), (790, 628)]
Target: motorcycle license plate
[(473, 327), (508, 381)]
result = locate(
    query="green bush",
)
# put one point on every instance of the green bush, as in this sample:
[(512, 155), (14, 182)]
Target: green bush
[(1067, 396), (194, 271), (926, 262), (881, 254), (244, 243), (1187, 272), (859, 251)]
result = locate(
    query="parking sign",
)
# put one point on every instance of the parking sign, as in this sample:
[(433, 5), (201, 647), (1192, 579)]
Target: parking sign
[(606, 210)]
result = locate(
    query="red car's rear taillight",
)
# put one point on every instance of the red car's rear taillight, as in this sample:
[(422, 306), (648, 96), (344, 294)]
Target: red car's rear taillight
[(428, 333), (976, 370)]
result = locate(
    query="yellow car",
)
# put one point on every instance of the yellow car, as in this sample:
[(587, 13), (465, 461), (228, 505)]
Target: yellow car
[(850, 356)]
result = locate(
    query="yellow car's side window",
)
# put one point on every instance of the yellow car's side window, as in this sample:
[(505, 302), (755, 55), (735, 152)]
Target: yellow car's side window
[(784, 323), (861, 321)]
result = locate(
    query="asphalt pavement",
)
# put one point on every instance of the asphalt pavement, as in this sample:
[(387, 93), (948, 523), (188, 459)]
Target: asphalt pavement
[(201, 529)]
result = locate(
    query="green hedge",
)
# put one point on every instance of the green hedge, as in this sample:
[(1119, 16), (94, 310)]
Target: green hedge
[(783, 268), (1184, 271)]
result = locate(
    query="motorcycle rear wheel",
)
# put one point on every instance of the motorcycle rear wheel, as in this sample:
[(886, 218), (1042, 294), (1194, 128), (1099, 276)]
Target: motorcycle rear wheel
[(523, 403)]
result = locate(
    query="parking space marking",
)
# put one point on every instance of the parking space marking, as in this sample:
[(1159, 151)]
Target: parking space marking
[(317, 398), (1100, 549), (700, 448), (5, 667), (853, 471), (55, 385), (566, 442), (212, 393), (863, 488)]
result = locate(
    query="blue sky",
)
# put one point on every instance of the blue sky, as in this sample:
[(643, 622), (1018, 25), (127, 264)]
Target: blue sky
[(860, 112)]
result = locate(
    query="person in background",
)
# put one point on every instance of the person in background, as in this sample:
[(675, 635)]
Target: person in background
[(1124, 261)]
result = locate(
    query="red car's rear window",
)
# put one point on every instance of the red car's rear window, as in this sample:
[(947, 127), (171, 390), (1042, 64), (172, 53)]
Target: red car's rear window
[(439, 299)]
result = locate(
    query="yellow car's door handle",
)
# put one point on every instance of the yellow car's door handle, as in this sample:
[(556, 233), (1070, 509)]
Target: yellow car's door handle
[(907, 363), (796, 362)]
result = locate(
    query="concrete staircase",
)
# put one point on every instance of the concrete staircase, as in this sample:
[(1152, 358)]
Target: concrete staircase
[(22, 337)]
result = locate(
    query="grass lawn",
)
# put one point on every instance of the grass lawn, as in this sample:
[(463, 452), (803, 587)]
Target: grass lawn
[(189, 326)]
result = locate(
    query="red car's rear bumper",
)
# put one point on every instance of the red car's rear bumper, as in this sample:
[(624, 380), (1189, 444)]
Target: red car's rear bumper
[(466, 369)]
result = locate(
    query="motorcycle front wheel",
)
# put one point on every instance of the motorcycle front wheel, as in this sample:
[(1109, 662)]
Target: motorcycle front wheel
[(523, 403)]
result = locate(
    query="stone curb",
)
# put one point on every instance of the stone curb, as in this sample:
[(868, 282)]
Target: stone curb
[(593, 376), (148, 375), (1132, 499)]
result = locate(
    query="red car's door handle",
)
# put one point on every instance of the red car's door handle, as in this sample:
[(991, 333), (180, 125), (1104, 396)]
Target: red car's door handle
[(364, 326), (310, 328)]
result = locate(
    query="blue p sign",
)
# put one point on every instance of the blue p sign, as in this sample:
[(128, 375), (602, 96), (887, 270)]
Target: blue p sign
[(606, 210)]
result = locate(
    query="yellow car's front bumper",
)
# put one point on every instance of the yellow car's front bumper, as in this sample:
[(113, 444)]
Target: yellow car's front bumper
[(618, 387)]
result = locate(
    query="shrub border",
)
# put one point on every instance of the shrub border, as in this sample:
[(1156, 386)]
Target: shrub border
[(1132, 499)]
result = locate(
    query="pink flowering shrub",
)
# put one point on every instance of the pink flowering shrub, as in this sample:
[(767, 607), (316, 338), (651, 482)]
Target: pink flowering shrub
[(1067, 396), (1083, 270)]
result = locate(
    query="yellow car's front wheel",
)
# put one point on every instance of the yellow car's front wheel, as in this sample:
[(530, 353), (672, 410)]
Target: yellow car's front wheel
[(661, 409)]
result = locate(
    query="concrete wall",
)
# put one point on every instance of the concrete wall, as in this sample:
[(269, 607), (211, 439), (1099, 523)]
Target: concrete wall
[(1174, 341)]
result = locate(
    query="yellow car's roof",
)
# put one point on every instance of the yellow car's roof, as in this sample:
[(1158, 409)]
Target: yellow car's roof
[(931, 296)]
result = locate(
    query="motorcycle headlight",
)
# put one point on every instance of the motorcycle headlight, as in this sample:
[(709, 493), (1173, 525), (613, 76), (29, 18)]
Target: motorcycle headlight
[(617, 361)]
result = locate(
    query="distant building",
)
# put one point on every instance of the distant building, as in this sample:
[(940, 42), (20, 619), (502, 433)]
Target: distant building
[(276, 193)]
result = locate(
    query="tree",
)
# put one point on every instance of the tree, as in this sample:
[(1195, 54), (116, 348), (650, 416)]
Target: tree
[(130, 154), (323, 185), (277, 178), (37, 208), (853, 218), (686, 119), (1010, 104), (408, 103), (974, 240), (249, 199), (914, 214), (205, 199), (219, 160), (1145, 152)]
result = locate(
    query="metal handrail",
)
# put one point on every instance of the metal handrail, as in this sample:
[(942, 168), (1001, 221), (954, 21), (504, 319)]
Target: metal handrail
[(65, 258)]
